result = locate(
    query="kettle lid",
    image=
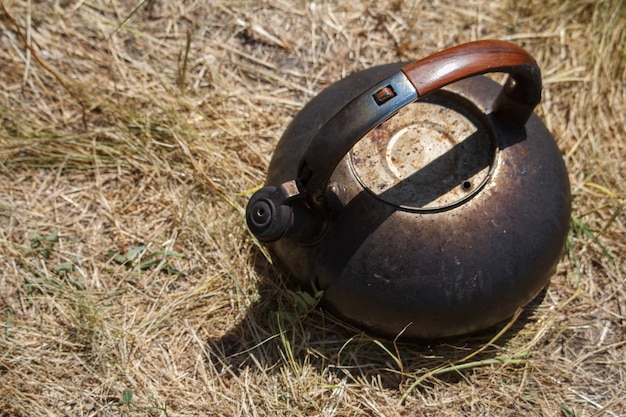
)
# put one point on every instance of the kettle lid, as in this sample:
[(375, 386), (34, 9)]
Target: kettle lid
[(432, 155)]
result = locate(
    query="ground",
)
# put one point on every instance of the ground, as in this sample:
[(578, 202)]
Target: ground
[(132, 135)]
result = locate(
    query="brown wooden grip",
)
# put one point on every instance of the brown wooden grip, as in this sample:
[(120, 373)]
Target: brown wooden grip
[(520, 94)]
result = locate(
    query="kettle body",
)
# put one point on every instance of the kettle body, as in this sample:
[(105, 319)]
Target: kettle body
[(424, 199)]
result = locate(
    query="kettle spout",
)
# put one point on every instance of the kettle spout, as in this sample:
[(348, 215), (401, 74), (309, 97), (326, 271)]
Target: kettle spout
[(276, 212)]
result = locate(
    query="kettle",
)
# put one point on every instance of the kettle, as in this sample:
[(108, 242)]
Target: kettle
[(424, 199)]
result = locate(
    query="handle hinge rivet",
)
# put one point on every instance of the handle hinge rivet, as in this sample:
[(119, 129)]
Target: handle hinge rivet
[(384, 95)]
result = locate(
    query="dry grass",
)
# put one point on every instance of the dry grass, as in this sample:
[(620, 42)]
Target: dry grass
[(131, 135)]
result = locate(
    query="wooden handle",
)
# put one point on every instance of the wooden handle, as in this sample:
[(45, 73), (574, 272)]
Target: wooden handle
[(520, 94)]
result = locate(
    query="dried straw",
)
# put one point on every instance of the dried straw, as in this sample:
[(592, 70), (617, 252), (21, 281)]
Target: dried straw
[(131, 136)]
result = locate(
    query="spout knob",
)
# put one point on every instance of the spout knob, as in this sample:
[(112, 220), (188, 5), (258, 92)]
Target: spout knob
[(261, 215), (276, 212), (267, 215)]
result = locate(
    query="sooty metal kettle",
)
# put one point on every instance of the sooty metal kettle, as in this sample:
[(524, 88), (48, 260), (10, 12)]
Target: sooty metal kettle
[(422, 198)]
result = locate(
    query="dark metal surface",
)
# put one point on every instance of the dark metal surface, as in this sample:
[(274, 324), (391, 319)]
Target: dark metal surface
[(445, 271)]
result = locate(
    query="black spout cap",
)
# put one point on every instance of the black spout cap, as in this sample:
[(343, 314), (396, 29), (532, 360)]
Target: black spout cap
[(267, 215)]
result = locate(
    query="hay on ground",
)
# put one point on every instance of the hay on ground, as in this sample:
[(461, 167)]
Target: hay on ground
[(131, 136)]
